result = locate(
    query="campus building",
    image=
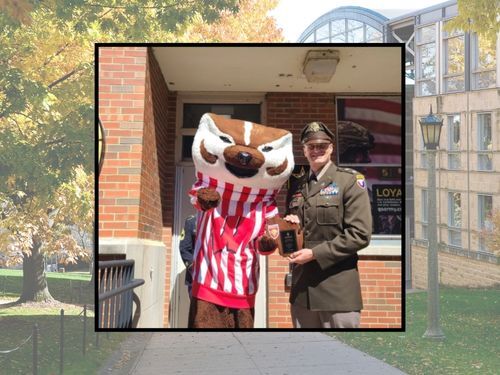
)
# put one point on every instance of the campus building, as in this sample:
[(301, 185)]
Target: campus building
[(457, 74), (150, 103)]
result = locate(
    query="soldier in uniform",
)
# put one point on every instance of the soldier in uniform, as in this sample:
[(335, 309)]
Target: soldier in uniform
[(186, 248), (332, 206)]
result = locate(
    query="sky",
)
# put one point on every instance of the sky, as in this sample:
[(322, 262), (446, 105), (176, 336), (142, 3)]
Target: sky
[(293, 16)]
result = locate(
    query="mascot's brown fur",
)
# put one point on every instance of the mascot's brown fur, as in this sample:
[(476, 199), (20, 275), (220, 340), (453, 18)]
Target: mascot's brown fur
[(240, 167)]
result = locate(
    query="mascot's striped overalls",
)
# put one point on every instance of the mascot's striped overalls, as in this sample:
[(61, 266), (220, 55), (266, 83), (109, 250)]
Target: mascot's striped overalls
[(240, 168)]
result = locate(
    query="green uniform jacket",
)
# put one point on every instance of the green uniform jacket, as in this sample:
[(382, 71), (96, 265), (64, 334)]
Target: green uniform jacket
[(336, 219)]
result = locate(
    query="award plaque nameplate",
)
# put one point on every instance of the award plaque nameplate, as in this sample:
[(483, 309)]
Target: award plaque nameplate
[(288, 235)]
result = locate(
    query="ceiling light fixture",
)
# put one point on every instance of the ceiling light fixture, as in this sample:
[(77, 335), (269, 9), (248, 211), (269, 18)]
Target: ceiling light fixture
[(320, 65)]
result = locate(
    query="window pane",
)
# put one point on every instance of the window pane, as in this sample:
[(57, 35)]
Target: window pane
[(454, 161), (455, 238), (373, 34), (455, 210), (456, 55), (355, 36), (485, 80), (487, 54), (338, 27), (454, 32), (322, 33), (484, 162), (454, 132), (427, 34), (192, 114), (340, 38), (484, 127), (485, 209), (187, 143), (427, 88), (428, 56), (455, 83), (352, 24), (310, 38)]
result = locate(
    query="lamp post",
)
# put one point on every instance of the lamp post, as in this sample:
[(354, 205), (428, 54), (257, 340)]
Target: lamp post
[(431, 131), (102, 145)]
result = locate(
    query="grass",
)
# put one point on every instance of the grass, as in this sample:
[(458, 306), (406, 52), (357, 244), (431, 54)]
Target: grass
[(470, 320), (64, 287), (16, 328), (16, 324)]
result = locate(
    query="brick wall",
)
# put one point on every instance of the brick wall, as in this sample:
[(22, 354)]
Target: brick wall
[(121, 110), (381, 290), (454, 270)]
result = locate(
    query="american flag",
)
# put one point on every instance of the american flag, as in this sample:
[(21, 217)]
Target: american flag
[(381, 116), (226, 259)]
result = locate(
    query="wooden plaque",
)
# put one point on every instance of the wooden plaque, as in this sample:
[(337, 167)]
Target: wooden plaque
[(289, 236)]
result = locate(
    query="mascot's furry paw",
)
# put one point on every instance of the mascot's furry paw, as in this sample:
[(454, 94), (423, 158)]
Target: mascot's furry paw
[(267, 244), (208, 198)]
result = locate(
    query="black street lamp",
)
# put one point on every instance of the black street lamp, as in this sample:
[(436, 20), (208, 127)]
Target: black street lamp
[(431, 131), (102, 145)]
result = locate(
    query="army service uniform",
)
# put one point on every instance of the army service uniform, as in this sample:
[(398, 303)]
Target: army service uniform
[(336, 219)]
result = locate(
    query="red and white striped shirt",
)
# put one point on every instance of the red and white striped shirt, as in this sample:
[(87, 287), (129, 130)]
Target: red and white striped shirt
[(226, 259)]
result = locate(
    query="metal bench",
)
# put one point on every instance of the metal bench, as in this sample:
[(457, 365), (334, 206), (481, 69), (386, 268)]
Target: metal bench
[(116, 294)]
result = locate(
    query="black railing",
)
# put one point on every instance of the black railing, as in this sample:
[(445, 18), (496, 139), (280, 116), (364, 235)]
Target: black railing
[(116, 294)]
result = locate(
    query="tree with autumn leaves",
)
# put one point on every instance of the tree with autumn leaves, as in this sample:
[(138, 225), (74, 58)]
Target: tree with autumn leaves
[(47, 108)]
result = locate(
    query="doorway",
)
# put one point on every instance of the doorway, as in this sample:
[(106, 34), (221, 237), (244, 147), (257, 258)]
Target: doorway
[(184, 179)]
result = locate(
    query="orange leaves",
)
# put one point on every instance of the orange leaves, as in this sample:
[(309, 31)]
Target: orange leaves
[(251, 24)]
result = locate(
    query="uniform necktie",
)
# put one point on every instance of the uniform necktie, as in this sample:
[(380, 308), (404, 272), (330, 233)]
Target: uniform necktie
[(312, 181)]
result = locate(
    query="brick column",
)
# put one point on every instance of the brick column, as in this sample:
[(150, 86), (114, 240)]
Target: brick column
[(130, 217)]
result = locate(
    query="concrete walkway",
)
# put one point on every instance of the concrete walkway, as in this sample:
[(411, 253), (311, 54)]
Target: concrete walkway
[(250, 353)]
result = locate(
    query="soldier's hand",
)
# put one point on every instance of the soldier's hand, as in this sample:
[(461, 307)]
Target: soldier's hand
[(301, 256), (292, 219)]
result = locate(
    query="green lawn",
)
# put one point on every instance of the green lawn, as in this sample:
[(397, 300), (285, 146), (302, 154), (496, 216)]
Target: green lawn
[(16, 328), (470, 320), (64, 287), (16, 324)]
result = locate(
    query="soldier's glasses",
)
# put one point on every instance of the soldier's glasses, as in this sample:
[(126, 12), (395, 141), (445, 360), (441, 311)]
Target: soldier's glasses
[(318, 146)]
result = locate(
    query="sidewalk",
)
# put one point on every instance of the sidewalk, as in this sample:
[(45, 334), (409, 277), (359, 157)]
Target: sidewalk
[(251, 353)]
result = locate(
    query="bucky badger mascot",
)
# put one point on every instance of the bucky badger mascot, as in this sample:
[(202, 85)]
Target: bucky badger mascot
[(240, 167)]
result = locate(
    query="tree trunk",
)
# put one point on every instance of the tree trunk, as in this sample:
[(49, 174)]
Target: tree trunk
[(35, 287)]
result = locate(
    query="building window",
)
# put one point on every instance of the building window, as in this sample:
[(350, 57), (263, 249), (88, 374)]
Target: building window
[(323, 34), (369, 141), (454, 142), (483, 63), (426, 42), (373, 35), (454, 219), (192, 113), (485, 208), (338, 31), (310, 38), (485, 154), (425, 214), (355, 32), (454, 55)]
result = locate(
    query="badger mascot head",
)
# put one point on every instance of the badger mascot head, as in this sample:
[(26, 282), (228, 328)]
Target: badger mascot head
[(240, 167), (242, 152)]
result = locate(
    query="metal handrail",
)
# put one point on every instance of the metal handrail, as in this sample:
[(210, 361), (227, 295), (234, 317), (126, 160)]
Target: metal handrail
[(116, 295), (131, 285)]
